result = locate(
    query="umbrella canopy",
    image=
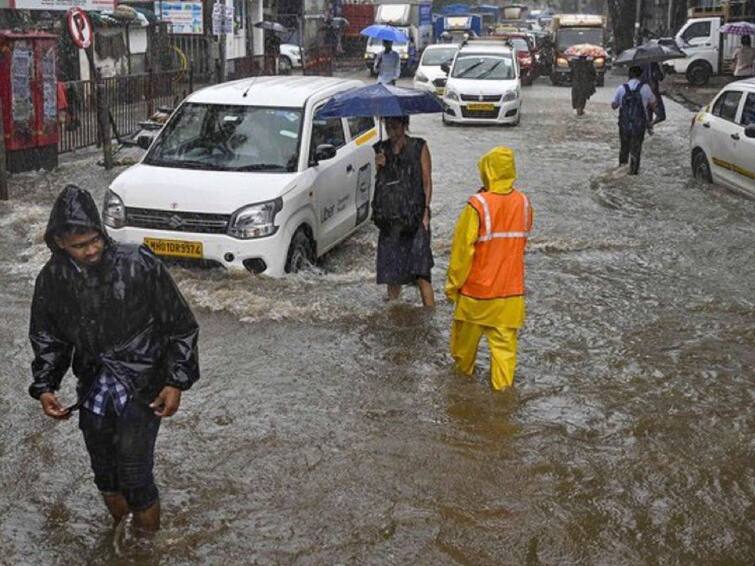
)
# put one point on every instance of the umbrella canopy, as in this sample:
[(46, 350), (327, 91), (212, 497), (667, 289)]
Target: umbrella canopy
[(380, 100), (649, 53), (338, 22), (738, 28), (585, 50), (385, 33), (271, 26)]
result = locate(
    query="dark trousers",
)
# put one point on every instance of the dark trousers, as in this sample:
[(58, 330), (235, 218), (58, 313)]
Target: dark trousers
[(631, 149)]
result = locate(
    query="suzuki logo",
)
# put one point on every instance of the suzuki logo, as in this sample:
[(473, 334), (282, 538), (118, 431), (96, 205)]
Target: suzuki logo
[(174, 205), (175, 221)]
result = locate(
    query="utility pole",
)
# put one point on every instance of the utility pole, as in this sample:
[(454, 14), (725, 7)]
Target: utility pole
[(222, 44), (638, 24), (3, 169)]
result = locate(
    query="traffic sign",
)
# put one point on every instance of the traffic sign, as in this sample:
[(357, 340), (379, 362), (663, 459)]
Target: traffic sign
[(79, 27)]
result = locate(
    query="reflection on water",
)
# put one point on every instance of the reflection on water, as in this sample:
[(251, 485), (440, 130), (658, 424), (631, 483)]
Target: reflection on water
[(330, 427)]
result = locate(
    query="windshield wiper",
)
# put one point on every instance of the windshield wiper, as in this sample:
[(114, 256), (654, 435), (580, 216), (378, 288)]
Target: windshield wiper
[(464, 73), (185, 164), (261, 167), (486, 73)]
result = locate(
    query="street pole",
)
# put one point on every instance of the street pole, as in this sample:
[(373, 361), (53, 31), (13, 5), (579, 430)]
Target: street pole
[(222, 44), (3, 167), (638, 23), (104, 127)]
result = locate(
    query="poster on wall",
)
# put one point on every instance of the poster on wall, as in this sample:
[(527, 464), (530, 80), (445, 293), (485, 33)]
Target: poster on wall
[(183, 17), (59, 5), (22, 108)]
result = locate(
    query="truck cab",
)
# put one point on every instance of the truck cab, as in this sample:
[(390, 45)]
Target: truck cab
[(576, 29)]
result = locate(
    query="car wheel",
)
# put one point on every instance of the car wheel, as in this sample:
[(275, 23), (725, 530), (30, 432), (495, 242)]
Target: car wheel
[(699, 73), (300, 252), (284, 65), (701, 167), (446, 122)]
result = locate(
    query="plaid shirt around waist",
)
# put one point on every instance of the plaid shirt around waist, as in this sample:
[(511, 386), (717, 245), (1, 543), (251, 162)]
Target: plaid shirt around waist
[(106, 388)]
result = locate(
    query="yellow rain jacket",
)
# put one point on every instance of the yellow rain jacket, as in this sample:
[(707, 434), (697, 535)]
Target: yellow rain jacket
[(498, 173)]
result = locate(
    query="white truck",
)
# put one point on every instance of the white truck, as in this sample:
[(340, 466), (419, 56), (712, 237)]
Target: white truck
[(414, 18), (709, 52)]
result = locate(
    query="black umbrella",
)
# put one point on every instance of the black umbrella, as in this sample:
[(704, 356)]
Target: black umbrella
[(649, 53), (338, 22), (271, 26)]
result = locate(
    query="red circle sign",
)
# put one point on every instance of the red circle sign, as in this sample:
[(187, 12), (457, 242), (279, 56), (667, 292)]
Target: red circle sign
[(79, 27)]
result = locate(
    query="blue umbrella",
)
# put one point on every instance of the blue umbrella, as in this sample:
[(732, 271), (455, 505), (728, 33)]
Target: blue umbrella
[(385, 33), (379, 100)]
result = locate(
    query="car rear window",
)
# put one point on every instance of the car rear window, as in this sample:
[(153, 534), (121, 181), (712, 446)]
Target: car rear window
[(727, 104)]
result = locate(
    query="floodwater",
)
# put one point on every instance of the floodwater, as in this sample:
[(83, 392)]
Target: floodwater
[(328, 426)]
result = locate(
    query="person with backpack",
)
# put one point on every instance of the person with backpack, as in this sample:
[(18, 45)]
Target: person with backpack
[(634, 100), (401, 211)]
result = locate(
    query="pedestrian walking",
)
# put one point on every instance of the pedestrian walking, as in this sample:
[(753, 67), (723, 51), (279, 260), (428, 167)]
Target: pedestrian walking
[(744, 58), (634, 100), (652, 75), (387, 64), (401, 211), (113, 314), (486, 270), (583, 82)]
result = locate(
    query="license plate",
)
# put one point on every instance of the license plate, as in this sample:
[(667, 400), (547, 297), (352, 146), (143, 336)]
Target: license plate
[(175, 248), (481, 106), (440, 91)]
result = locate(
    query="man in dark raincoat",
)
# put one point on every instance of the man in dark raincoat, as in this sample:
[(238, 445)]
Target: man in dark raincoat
[(583, 79), (114, 314)]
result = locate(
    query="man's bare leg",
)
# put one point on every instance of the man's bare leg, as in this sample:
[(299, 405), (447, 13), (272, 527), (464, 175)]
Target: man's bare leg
[(148, 521), (116, 504), (393, 292), (426, 292)]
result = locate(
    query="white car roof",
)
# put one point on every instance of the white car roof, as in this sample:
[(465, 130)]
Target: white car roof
[(435, 46), (746, 84), (279, 91), (483, 47)]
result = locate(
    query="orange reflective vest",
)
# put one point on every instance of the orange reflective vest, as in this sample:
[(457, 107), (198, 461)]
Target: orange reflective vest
[(498, 264)]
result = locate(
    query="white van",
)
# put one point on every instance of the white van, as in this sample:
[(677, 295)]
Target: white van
[(245, 175)]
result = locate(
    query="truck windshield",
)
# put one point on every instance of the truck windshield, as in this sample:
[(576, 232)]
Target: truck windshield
[(436, 57), (483, 67), (576, 36), (223, 137)]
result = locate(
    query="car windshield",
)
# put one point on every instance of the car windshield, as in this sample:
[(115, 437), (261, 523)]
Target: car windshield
[(484, 67), (520, 44), (436, 57), (576, 36), (221, 137)]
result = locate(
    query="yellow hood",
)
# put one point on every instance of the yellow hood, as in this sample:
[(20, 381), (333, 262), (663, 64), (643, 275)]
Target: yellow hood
[(498, 170)]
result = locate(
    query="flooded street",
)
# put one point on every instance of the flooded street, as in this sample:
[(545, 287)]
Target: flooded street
[(329, 427)]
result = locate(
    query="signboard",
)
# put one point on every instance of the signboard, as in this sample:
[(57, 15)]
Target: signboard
[(222, 24), (80, 28), (59, 5), (183, 17), (425, 14)]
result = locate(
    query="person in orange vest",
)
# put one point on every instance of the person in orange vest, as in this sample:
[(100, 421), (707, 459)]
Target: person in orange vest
[(486, 270)]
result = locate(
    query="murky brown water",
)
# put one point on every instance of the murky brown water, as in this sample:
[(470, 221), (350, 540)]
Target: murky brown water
[(329, 428)]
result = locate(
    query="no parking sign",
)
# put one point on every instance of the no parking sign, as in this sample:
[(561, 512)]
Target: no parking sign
[(79, 27)]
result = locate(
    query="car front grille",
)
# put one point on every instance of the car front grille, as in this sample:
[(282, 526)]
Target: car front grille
[(483, 98), (479, 114), (177, 221)]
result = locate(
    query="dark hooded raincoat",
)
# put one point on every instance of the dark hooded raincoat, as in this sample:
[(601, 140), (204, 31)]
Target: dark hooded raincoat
[(124, 316)]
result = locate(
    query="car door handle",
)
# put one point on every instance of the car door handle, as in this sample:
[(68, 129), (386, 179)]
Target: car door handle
[(349, 168), (735, 136), (706, 124)]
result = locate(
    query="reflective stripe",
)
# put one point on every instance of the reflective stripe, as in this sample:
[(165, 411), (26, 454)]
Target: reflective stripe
[(496, 235), (486, 214), (526, 211)]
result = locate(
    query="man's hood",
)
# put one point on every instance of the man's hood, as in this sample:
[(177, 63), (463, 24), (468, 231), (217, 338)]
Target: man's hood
[(498, 170), (73, 207)]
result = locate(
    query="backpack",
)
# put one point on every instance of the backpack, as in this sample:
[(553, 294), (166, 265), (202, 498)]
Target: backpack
[(399, 200), (633, 118)]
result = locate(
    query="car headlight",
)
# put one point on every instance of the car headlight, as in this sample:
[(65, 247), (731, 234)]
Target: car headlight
[(600, 61), (113, 210), (451, 95), (526, 60), (420, 77), (404, 55), (562, 62), (255, 220), (510, 96), (369, 55)]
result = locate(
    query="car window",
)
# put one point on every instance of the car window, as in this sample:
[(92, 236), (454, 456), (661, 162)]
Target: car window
[(328, 131), (358, 126), (748, 112), (698, 29), (727, 104)]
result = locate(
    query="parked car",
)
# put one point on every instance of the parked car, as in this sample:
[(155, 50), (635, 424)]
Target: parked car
[(245, 175), (483, 86), (429, 70), (290, 58), (722, 138)]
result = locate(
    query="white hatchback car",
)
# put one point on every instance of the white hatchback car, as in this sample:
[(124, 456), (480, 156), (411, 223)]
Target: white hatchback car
[(430, 76), (245, 175), (722, 138), (483, 86)]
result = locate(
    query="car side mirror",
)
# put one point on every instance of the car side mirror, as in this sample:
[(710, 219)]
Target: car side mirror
[(324, 152), (445, 67), (750, 131)]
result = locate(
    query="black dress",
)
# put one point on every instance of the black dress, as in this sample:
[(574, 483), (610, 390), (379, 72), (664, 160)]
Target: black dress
[(403, 257)]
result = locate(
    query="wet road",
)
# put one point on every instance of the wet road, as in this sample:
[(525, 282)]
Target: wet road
[(328, 426)]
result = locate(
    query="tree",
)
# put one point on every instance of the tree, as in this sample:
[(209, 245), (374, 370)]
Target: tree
[(622, 14)]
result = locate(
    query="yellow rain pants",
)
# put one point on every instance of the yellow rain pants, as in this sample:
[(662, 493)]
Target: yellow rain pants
[(465, 339)]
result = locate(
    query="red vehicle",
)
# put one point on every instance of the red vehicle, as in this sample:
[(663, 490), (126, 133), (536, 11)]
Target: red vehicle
[(526, 53)]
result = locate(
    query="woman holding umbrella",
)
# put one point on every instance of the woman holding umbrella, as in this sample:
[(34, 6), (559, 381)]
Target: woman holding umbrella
[(744, 58)]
